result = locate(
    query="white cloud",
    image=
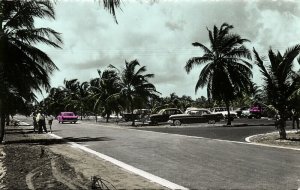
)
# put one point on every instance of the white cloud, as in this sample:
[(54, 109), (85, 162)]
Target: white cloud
[(159, 34)]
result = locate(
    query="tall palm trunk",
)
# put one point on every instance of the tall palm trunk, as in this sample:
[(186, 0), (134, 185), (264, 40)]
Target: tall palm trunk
[(228, 114), (131, 107), (107, 117), (2, 95), (2, 123), (2, 86), (133, 119), (7, 119), (281, 125)]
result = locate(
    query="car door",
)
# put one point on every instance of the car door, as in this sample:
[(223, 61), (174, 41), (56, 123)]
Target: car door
[(166, 115)]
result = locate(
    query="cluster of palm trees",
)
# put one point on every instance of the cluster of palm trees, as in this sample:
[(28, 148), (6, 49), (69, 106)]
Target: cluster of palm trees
[(113, 91), (227, 72)]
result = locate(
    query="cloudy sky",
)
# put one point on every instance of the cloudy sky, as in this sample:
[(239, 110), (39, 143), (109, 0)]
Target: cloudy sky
[(159, 35)]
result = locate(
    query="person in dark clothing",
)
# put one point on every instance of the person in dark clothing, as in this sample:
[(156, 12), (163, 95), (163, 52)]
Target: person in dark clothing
[(295, 118), (35, 124)]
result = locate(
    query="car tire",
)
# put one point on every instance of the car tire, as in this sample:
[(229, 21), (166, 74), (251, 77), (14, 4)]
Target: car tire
[(211, 122), (177, 122)]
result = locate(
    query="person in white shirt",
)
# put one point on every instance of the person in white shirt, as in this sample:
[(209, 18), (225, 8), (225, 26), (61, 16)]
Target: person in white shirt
[(40, 118)]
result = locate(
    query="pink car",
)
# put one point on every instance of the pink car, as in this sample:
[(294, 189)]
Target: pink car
[(256, 112), (67, 117)]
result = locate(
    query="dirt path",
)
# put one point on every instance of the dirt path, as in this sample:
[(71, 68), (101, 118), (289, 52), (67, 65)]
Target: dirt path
[(2, 167)]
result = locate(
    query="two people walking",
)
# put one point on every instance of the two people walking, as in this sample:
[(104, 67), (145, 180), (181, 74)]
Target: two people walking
[(39, 122)]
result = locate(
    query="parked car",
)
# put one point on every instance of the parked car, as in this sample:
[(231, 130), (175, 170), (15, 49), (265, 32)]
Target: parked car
[(243, 111), (163, 115), (137, 114), (256, 112), (195, 115), (67, 117), (224, 112)]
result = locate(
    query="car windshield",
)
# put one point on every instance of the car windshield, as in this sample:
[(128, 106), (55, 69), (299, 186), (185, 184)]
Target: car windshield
[(198, 112), (220, 109), (68, 114)]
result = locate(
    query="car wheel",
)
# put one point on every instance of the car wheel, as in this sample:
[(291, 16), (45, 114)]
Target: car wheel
[(62, 122), (153, 122), (211, 122), (177, 123)]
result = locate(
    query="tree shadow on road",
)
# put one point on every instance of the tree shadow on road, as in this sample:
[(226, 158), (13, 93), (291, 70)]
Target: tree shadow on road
[(44, 141), (293, 139)]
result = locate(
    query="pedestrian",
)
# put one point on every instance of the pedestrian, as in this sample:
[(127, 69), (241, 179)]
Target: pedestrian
[(35, 124), (50, 120), (295, 118), (40, 118)]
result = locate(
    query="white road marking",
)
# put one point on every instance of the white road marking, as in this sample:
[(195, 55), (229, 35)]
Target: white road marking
[(267, 145), (127, 167)]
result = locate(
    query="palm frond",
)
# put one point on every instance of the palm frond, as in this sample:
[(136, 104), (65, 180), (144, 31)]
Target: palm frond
[(196, 61), (39, 35), (203, 47), (204, 76), (111, 6), (24, 12), (287, 64), (259, 62)]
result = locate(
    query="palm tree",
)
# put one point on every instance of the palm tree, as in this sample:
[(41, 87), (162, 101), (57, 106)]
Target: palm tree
[(102, 89), (24, 67), (135, 87), (280, 81), (76, 95), (226, 71), (55, 101)]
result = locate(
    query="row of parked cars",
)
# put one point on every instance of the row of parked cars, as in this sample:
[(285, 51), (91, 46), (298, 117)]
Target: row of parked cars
[(193, 115), (176, 117)]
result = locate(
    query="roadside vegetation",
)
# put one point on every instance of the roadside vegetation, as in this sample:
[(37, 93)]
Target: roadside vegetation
[(226, 73)]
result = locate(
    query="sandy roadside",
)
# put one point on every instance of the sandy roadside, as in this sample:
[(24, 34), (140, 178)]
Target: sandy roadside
[(2, 167), (89, 165)]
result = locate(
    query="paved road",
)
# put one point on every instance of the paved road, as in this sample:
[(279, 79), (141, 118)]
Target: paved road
[(235, 133), (196, 163)]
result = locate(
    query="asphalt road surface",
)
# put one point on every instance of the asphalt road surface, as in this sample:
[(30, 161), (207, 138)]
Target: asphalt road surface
[(196, 163), (241, 129)]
